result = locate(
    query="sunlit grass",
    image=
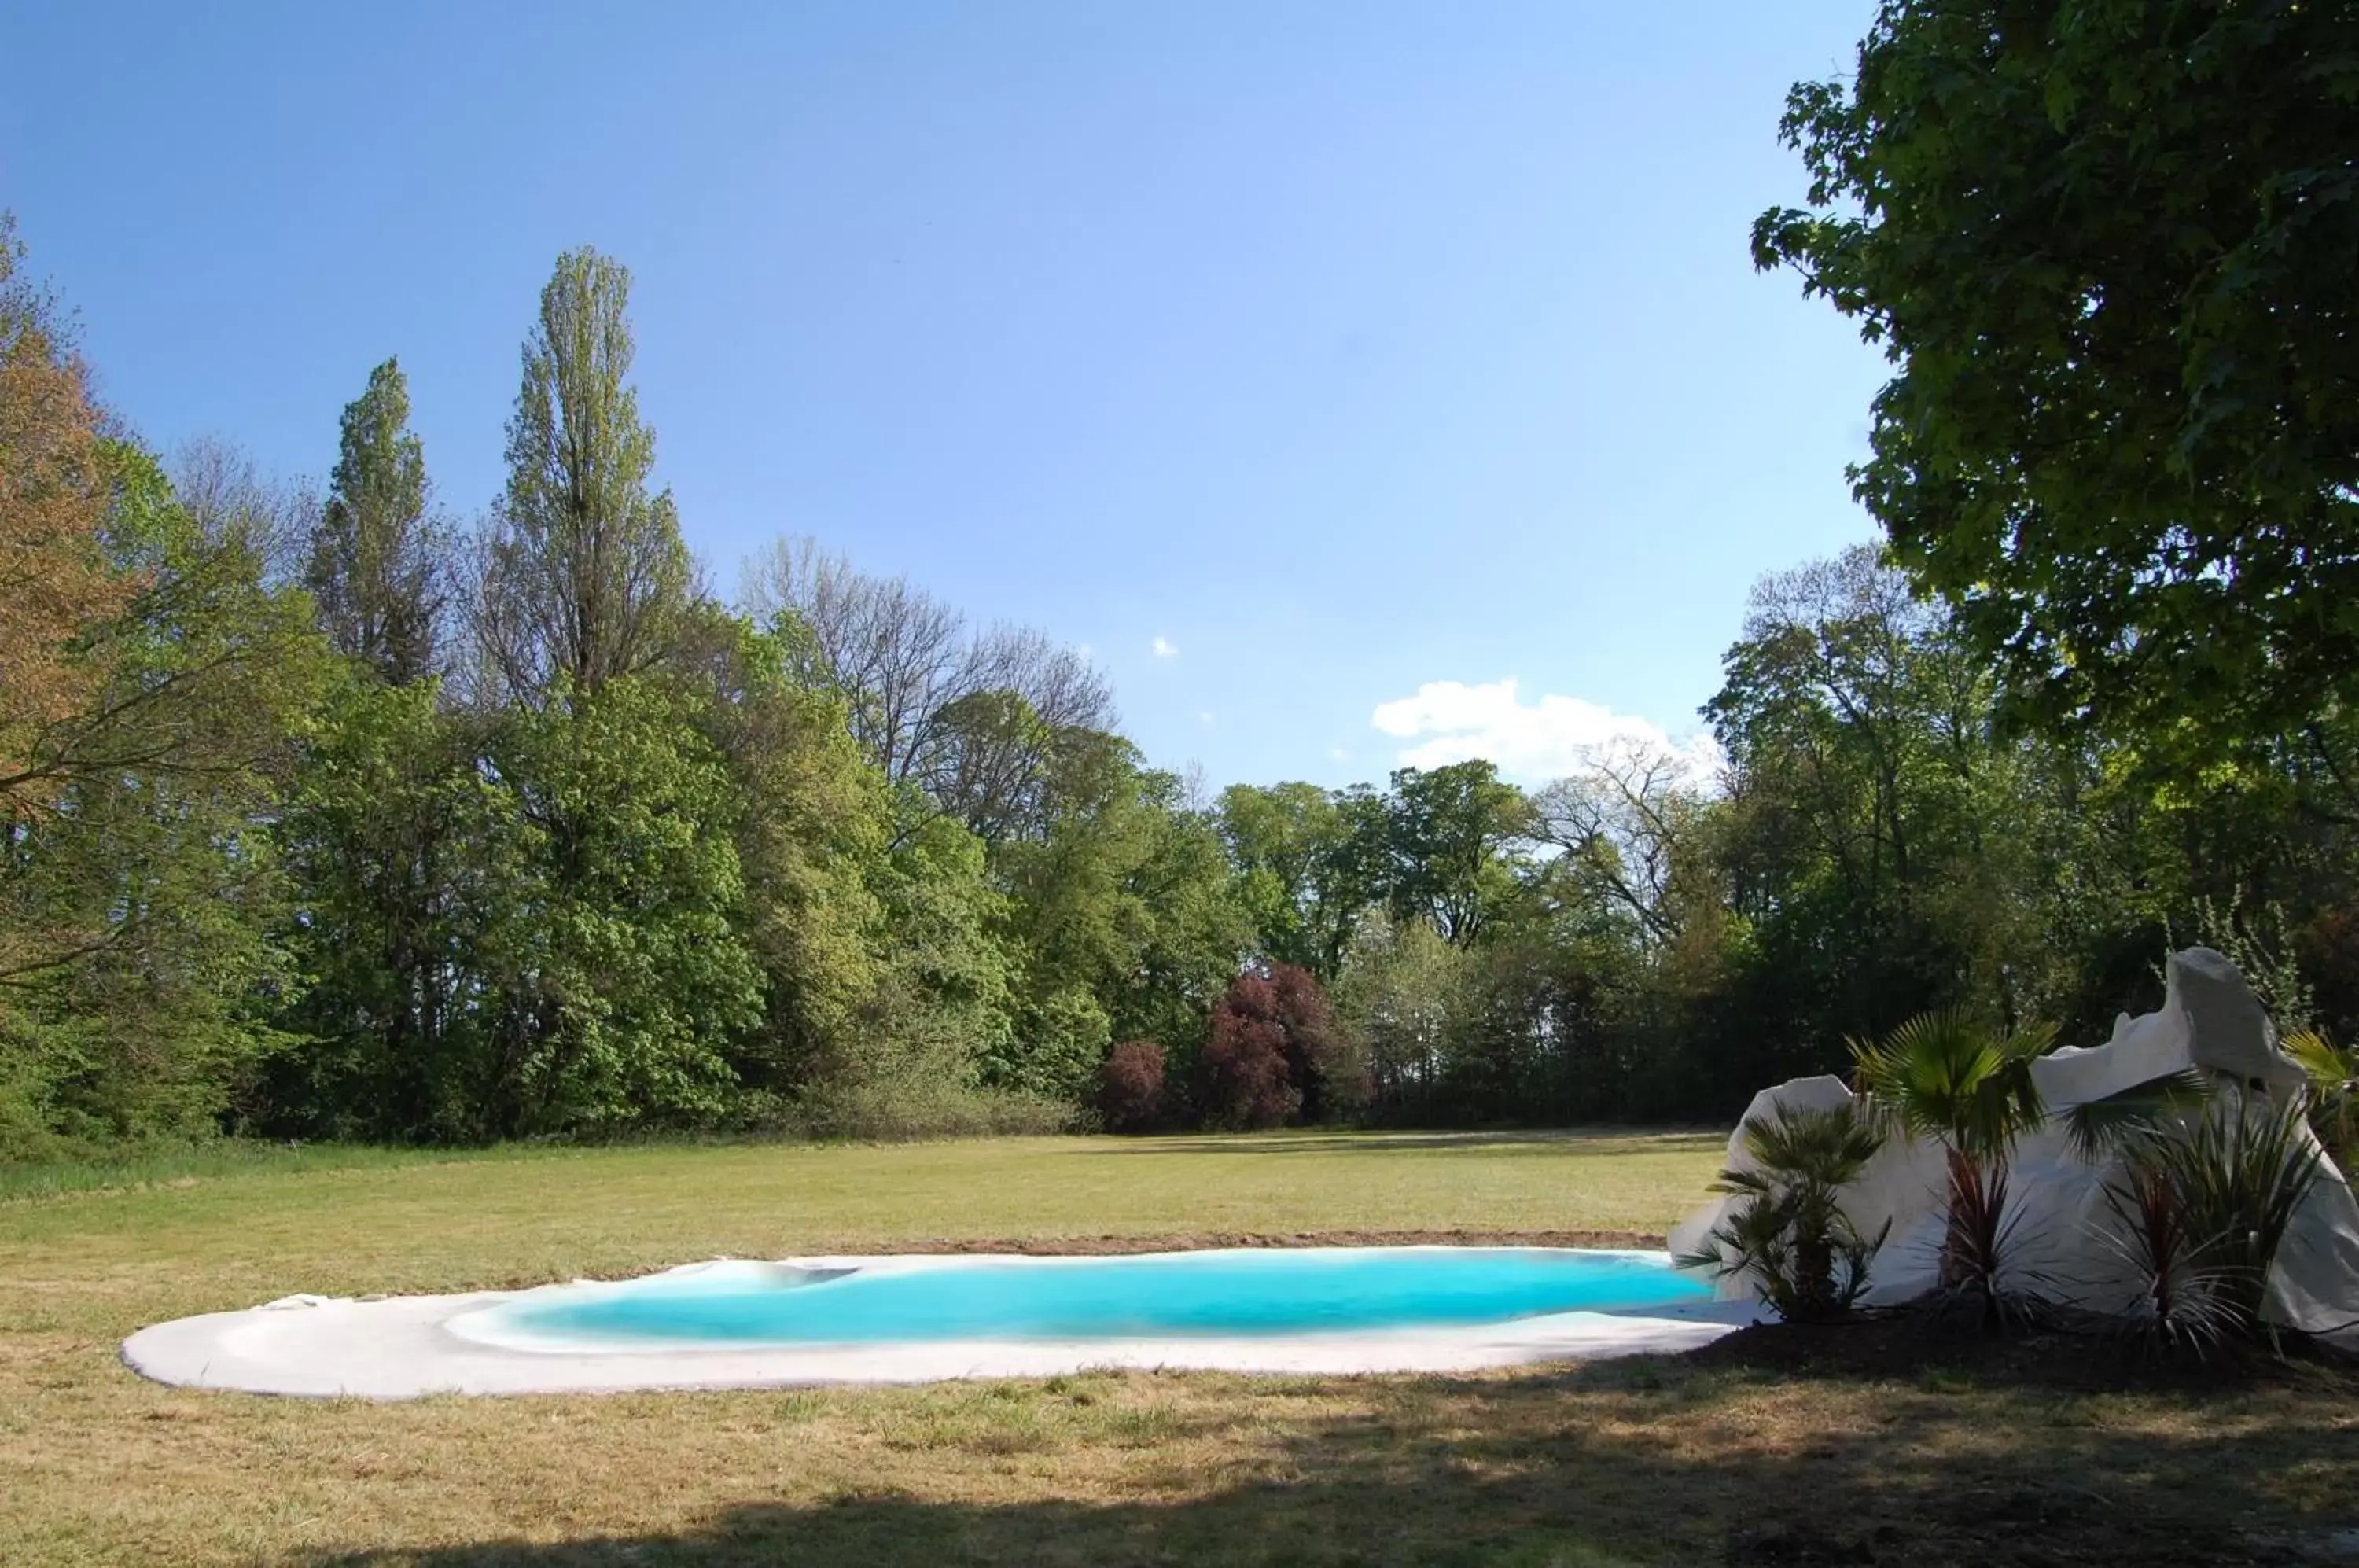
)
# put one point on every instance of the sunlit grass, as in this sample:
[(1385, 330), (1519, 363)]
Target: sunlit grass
[(1645, 1461)]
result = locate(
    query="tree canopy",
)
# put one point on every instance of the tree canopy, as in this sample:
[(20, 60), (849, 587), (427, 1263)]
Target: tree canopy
[(2106, 246)]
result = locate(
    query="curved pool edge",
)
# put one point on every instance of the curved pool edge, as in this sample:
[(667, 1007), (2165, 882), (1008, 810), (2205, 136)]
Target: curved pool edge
[(404, 1346)]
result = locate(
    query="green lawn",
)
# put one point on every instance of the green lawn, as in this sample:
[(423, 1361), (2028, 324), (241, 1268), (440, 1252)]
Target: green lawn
[(1637, 1461)]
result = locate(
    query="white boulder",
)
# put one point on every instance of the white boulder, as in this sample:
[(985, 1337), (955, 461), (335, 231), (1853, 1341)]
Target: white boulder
[(2064, 1245)]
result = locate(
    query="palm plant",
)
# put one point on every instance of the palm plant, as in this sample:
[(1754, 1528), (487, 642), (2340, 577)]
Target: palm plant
[(1949, 1077), (2333, 1091), (1809, 1261)]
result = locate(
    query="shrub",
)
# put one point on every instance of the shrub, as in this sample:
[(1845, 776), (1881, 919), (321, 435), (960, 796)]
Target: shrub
[(1131, 1097), (2235, 1176), (1810, 1263), (2210, 1178), (907, 1110), (2334, 1072)]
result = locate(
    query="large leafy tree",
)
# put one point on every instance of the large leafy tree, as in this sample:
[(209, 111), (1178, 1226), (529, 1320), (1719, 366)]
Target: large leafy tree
[(141, 962), (619, 974), (55, 579), (1454, 834), (2106, 245), (1309, 864)]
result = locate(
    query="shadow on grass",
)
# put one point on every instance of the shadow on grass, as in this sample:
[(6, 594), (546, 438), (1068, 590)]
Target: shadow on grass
[(1593, 1141), (1630, 1462)]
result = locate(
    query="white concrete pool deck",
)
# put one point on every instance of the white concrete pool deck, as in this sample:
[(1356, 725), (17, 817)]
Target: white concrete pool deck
[(407, 1347)]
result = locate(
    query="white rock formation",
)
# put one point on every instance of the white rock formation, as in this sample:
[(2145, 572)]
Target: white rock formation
[(2209, 1020)]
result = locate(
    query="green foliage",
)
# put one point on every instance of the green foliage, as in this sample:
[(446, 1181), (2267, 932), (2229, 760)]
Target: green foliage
[(392, 833), (2105, 244), (1307, 868), (141, 965), (623, 970), (1396, 998), (1948, 1077), (579, 850), (586, 578), (378, 561), (1450, 834), (2222, 1184), (2334, 1072), (1808, 1261)]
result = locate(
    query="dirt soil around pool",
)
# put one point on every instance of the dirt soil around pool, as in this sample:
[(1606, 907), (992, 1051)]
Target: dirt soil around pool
[(1197, 1241)]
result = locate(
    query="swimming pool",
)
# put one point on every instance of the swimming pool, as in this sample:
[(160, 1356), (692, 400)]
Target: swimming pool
[(1192, 1294), (740, 1323)]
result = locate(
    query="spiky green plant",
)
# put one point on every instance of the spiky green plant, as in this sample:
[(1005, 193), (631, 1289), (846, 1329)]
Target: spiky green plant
[(1810, 1263), (2209, 1179), (2185, 1295), (2236, 1174), (1949, 1077), (2333, 1074)]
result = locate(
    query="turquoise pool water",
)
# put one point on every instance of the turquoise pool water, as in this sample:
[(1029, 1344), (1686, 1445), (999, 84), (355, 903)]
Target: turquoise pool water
[(1312, 1290)]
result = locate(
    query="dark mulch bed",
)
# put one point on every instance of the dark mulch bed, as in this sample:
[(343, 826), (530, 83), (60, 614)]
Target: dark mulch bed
[(1914, 1342)]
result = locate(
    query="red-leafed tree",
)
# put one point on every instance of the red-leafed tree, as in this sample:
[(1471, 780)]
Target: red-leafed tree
[(1272, 1054), (1314, 1054), (1241, 1078), (1131, 1095)]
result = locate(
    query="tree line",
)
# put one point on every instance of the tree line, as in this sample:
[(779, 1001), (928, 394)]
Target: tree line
[(330, 817)]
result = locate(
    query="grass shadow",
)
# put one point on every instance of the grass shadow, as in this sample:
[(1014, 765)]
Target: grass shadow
[(1644, 1461)]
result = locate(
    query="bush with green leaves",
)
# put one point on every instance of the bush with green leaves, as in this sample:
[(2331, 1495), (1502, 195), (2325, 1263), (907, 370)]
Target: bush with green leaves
[(1807, 1261)]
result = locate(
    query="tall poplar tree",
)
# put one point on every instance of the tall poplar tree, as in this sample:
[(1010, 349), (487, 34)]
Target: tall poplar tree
[(377, 560), (587, 577)]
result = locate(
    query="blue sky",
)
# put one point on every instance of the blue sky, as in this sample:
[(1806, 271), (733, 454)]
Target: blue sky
[(1319, 367)]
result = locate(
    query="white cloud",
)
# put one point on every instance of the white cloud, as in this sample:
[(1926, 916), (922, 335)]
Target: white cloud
[(1448, 720), (1164, 647), (1339, 752), (1206, 715)]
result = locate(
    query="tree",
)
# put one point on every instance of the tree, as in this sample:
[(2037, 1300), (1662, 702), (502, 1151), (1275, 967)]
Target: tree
[(585, 578), (2106, 245), (1879, 833), (1329, 1080), (619, 973), (143, 965), (1807, 1261), (1309, 864), (55, 579), (394, 837), (1620, 823), (378, 559), (1273, 1055), (1243, 1078), (1451, 834), (970, 718), (1397, 995)]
